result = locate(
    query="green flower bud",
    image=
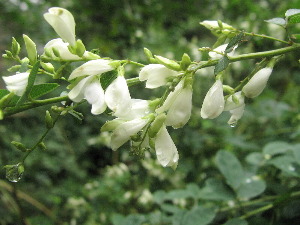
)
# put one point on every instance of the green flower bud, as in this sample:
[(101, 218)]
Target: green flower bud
[(228, 89), (185, 61), (48, 67), (42, 146), (31, 49), (80, 48), (156, 125), (49, 120), (15, 47), (56, 52), (8, 54), (14, 69), (4, 101), (19, 146), (149, 55), (171, 64)]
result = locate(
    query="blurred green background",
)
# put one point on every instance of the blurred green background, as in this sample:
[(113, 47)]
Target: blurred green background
[(78, 180)]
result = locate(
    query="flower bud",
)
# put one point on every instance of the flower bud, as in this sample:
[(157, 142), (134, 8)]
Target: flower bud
[(48, 67), (171, 64), (213, 103), (185, 61), (236, 114), (80, 48), (42, 146), (257, 83), (14, 68), (215, 25), (15, 47), (149, 55), (49, 120), (63, 23), (31, 49), (156, 125), (19, 146)]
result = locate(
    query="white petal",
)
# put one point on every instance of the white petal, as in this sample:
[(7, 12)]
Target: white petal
[(94, 94), (230, 104), (93, 67), (17, 83), (213, 103), (124, 131), (165, 148), (236, 114), (257, 83), (221, 49), (156, 75), (62, 48), (139, 108), (180, 111), (77, 92), (117, 96), (62, 22)]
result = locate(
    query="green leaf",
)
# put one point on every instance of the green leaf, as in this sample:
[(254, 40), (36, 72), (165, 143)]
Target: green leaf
[(199, 216), (277, 21), (296, 151), (291, 12), (276, 147), (178, 194), (215, 190), (42, 89), (236, 221), (170, 208), (221, 65), (233, 42), (14, 99), (255, 158), (231, 168), (31, 80), (294, 18), (107, 78), (134, 219), (286, 164), (251, 187)]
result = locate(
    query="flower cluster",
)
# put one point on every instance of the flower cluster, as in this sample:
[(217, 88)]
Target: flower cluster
[(143, 123)]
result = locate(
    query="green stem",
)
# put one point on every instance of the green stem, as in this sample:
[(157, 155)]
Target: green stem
[(256, 55), (265, 36), (13, 110), (40, 140), (259, 210)]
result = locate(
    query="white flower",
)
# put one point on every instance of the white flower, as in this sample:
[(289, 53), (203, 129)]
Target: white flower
[(236, 114), (63, 23), (257, 83), (124, 131), (61, 47), (213, 24), (220, 49), (93, 67), (139, 108), (17, 83), (213, 103), (90, 89), (156, 75), (234, 101), (178, 105), (165, 148), (117, 96)]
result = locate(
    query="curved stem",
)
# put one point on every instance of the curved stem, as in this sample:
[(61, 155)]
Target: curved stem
[(265, 36)]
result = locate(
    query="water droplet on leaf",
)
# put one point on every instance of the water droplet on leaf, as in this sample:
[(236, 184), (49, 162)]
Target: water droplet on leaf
[(14, 173)]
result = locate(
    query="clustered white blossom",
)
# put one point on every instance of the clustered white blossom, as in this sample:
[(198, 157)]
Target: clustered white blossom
[(143, 123)]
